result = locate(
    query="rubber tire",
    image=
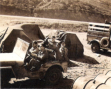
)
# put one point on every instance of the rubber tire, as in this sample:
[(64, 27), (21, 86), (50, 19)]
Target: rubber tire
[(95, 47), (53, 76), (102, 42), (105, 50)]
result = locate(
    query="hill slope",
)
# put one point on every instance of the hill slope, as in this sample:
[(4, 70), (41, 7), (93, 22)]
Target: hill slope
[(83, 10)]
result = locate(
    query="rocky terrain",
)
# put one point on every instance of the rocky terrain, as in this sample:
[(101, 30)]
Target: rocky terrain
[(81, 10)]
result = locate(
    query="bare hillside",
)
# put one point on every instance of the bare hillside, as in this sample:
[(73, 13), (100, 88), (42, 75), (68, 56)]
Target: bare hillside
[(82, 10)]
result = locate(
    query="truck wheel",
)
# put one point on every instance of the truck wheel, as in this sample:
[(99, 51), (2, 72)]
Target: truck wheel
[(105, 50), (53, 76), (95, 47), (104, 42)]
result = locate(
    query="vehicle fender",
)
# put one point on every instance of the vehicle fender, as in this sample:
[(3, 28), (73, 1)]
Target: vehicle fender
[(95, 40), (56, 66)]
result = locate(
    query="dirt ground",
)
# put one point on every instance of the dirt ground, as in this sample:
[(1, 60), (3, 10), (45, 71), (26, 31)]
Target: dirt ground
[(90, 64)]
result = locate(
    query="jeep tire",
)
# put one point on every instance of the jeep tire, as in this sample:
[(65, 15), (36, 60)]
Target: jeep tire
[(95, 47), (53, 76)]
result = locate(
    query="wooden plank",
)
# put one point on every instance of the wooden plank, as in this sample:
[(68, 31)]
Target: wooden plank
[(101, 24), (99, 33), (98, 28)]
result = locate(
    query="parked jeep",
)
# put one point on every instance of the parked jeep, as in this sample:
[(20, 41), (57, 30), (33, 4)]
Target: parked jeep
[(51, 70), (99, 36)]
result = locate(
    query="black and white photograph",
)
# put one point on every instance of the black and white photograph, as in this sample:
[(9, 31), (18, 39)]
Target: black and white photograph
[(55, 44)]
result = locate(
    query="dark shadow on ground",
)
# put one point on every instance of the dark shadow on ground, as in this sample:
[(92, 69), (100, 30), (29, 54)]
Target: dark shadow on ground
[(71, 64), (36, 83), (105, 53), (87, 59), (7, 75)]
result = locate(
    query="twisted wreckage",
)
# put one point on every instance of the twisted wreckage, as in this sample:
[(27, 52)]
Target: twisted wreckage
[(15, 43)]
